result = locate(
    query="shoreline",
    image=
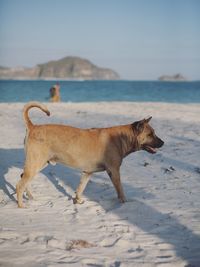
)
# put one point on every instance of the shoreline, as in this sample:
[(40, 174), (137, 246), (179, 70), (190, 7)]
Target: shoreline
[(93, 80)]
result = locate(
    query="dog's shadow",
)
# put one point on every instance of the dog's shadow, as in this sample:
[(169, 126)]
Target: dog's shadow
[(9, 158), (184, 241)]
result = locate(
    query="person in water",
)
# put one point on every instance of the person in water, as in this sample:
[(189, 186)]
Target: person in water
[(55, 93)]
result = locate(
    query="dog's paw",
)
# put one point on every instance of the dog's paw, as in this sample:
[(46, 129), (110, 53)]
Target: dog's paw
[(122, 200), (21, 206), (78, 201)]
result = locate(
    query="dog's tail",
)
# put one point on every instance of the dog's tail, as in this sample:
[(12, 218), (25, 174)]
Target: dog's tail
[(30, 105)]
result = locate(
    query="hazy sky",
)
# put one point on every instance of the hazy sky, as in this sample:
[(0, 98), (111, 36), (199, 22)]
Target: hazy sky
[(140, 39)]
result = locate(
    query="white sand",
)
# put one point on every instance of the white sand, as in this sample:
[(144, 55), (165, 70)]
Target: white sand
[(158, 226)]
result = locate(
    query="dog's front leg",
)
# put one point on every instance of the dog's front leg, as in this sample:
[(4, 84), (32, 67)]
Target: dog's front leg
[(83, 182), (114, 175)]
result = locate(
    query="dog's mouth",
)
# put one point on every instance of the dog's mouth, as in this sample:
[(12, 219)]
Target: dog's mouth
[(150, 149)]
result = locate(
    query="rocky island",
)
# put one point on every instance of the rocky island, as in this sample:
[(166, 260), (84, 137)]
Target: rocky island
[(172, 78), (74, 68)]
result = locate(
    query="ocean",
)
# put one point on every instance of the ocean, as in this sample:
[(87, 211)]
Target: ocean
[(94, 91)]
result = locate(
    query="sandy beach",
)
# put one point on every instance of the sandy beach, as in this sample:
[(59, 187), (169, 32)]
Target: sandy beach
[(159, 225)]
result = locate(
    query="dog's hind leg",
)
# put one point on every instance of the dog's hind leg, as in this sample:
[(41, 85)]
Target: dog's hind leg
[(27, 189), (83, 182), (32, 167), (22, 185), (114, 175)]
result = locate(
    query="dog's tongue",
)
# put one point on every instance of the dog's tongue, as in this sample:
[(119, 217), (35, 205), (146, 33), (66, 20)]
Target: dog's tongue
[(151, 149)]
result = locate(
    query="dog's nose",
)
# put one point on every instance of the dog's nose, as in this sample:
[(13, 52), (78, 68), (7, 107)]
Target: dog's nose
[(161, 143)]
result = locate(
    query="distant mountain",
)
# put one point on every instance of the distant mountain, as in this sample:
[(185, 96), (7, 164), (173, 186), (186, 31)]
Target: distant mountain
[(66, 68), (177, 77)]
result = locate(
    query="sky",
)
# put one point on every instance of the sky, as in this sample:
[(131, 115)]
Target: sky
[(140, 39)]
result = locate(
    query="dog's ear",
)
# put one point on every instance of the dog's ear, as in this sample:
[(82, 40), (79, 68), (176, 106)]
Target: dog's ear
[(139, 126), (148, 120)]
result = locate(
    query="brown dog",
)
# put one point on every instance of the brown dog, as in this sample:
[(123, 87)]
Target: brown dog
[(89, 150)]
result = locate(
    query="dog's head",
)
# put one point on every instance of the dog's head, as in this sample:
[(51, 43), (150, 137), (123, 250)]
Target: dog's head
[(146, 137)]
